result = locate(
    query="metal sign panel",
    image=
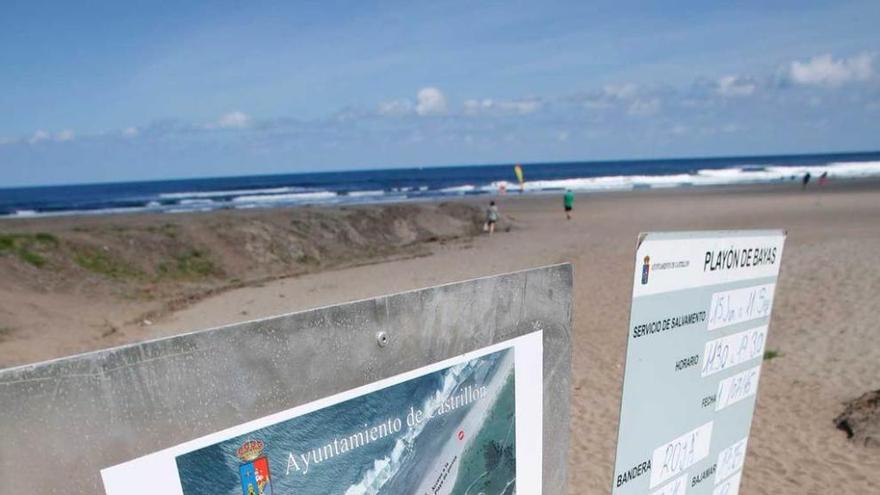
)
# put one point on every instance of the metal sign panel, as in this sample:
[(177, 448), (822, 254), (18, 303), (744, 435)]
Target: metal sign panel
[(698, 328), (244, 400)]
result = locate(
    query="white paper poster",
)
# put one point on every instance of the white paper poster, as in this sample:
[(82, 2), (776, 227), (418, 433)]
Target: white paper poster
[(470, 424)]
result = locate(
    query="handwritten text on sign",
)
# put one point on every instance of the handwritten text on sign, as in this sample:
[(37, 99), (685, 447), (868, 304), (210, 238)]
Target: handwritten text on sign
[(674, 457), (730, 485), (738, 305), (737, 387), (678, 486), (731, 460), (727, 352)]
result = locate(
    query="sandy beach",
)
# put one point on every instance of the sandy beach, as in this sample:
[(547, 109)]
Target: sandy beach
[(227, 266)]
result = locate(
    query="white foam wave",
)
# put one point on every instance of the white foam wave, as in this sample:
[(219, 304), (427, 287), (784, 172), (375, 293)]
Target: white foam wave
[(607, 183), (286, 198), (362, 194), (846, 170), (192, 202), (188, 210), (67, 213), (703, 177), (24, 213), (771, 173), (217, 194), (457, 189)]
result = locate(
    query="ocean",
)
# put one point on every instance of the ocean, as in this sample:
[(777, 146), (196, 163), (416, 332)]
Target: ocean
[(410, 184)]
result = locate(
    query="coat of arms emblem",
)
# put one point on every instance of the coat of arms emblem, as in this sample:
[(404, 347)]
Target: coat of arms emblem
[(254, 471)]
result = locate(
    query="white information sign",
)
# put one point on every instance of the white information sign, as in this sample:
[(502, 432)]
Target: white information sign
[(697, 336), (468, 424)]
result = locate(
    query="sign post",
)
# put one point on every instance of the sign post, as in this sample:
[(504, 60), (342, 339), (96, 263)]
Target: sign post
[(459, 388), (698, 328)]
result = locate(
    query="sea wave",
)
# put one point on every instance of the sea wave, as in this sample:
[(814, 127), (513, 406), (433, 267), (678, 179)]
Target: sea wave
[(226, 193), (188, 210), (286, 198), (362, 194), (65, 213), (703, 177), (195, 202), (385, 468), (458, 189), (24, 213)]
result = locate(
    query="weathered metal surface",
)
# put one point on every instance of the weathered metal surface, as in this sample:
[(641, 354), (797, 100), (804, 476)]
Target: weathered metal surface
[(64, 420)]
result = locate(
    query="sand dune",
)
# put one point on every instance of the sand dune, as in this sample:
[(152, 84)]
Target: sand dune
[(71, 284)]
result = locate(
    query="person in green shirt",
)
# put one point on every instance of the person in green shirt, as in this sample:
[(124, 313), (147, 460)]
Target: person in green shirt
[(569, 203)]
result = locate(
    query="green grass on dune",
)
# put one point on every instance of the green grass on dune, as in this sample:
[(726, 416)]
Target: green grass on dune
[(30, 248), (104, 263), (191, 263)]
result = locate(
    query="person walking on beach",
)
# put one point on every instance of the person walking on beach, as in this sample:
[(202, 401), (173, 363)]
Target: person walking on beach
[(491, 217), (568, 202), (823, 179), (806, 181)]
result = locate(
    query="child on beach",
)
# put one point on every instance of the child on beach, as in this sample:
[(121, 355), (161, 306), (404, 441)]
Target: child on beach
[(491, 217)]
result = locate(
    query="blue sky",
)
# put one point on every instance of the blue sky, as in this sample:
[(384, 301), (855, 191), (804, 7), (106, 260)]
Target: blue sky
[(111, 91)]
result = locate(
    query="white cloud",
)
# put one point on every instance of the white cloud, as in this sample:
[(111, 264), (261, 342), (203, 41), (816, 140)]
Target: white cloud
[(65, 135), (732, 86), (39, 136), (396, 107), (430, 101), (644, 107), (621, 91), (825, 70), (233, 120), (502, 107), (610, 95), (130, 132)]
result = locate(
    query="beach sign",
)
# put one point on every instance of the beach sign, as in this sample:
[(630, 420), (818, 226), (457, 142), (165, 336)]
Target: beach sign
[(697, 336), (461, 388), (471, 421)]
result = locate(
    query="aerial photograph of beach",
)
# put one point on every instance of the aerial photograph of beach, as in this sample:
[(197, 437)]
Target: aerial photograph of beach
[(173, 173), (447, 432)]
